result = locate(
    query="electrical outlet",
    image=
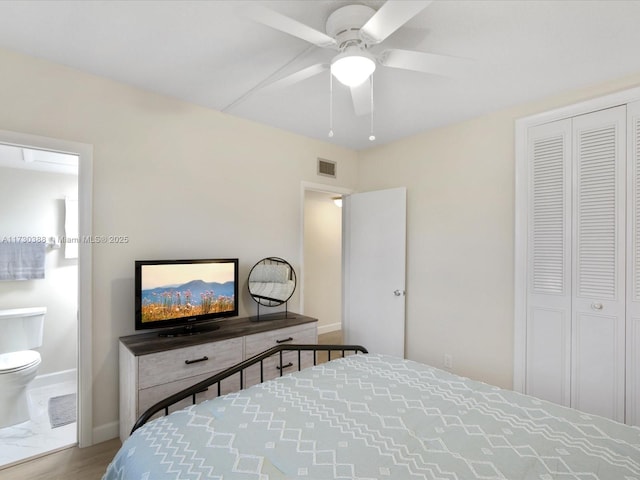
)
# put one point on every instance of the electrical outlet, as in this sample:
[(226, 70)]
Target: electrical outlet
[(448, 360)]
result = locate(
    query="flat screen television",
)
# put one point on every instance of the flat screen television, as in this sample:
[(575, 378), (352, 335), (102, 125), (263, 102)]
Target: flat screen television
[(188, 295)]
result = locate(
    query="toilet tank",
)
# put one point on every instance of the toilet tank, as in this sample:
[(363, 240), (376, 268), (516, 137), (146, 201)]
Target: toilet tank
[(21, 328)]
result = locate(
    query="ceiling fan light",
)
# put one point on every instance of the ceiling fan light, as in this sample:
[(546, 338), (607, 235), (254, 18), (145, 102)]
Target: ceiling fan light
[(352, 67)]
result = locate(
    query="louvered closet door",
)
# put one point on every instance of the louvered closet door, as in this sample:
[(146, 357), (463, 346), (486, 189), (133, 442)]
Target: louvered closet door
[(598, 306), (549, 263), (633, 265)]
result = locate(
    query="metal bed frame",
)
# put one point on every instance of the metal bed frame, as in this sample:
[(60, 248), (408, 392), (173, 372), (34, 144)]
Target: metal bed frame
[(239, 368)]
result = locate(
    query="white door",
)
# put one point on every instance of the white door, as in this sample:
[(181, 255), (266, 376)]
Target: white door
[(548, 352), (575, 329), (374, 249), (599, 227), (633, 265)]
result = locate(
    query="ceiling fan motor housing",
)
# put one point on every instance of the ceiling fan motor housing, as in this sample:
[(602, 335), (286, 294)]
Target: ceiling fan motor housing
[(345, 23)]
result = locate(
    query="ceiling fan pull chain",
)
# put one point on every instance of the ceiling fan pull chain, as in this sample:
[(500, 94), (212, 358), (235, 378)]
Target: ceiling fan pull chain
[(330, 104), (372, 137)]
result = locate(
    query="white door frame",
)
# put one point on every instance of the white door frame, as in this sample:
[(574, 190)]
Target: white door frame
[(312, 187), (521, 220), (85, 178)]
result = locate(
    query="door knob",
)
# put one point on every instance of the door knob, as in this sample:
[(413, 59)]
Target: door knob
[(398, 293), (597, 306)]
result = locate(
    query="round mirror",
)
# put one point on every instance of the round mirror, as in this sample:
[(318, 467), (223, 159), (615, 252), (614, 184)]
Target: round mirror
[(272, 281)]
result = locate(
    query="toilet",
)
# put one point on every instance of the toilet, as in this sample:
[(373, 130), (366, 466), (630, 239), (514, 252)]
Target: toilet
[(20, 331)]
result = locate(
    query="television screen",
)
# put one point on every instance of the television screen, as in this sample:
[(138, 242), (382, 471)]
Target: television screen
[(171, 293)]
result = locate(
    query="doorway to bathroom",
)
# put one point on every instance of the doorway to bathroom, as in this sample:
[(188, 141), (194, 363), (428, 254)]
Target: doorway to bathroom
[(40, 191)]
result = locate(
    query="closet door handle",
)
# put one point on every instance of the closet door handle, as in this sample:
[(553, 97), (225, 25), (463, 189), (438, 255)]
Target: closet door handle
[(597, 306)]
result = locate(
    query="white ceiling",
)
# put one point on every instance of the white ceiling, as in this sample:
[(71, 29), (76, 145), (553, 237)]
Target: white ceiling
[(210, 53)]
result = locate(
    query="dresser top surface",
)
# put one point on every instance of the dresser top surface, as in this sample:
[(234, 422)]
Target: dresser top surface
[(146, 343)]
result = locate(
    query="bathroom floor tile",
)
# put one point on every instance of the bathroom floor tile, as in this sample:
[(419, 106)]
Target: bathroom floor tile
[(36, 437)]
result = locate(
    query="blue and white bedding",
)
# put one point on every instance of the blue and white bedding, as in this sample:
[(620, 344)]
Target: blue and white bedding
[(377, 417)]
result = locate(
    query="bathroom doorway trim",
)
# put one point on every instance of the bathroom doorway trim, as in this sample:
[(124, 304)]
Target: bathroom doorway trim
[(85, 177)]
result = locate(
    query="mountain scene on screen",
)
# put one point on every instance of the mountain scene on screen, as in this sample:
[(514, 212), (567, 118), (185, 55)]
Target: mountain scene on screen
[(195, 297)]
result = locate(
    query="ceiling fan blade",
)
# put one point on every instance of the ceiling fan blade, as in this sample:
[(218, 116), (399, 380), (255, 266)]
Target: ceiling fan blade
[(391, 16), (278, 21), (361, 98), (425, 62), (298, 76)]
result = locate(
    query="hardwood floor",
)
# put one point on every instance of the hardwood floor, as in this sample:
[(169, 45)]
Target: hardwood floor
[(90, 463), (331, 338), (70, 464)]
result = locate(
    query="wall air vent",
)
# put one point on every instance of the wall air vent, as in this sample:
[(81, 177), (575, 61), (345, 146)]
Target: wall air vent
[(327, 168)]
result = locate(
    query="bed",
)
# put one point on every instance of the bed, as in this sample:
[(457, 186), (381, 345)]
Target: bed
[(375, 417)]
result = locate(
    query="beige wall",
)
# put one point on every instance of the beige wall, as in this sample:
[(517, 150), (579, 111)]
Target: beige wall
[(178, 180), (460, 239)]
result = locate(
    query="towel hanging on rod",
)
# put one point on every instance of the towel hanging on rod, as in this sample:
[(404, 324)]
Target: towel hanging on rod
[(22, 260)]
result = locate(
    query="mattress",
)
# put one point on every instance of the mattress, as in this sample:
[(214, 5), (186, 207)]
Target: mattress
[(376, 417)]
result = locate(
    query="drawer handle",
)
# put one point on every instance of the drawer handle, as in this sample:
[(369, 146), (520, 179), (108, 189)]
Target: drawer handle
[(285, 366), (284, 340), (203, 359)]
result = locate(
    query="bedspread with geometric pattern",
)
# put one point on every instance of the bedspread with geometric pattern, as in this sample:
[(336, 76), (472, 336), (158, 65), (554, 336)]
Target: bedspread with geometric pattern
[(378, 417)]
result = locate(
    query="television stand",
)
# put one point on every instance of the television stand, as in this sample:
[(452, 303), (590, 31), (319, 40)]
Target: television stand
[(189, 330), (152, 367)]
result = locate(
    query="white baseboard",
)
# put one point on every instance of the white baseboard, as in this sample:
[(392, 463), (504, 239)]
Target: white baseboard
[(106, 432), (332, 327), (47, 379)]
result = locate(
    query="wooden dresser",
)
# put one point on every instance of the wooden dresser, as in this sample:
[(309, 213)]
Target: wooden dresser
[(154, 367)]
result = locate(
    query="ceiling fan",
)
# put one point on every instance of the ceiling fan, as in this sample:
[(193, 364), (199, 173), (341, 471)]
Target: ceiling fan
[(352, 31)]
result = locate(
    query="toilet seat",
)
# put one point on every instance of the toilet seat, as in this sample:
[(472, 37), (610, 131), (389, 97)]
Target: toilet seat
[(16, 361)]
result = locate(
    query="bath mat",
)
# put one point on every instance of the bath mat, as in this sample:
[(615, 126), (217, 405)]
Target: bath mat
[(62, 410)]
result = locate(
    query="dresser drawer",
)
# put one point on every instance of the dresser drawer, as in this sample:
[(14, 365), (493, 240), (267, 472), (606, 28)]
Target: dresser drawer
[(173, 365), (150, 396), (272, 367), (260, 342)]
